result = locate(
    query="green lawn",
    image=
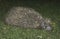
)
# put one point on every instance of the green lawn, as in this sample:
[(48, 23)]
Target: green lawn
[(49, 10)]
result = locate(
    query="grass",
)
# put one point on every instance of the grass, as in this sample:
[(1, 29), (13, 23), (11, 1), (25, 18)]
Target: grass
[(49, 10)]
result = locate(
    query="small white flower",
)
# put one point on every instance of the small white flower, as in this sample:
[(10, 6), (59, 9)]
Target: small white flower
[(39, 36)]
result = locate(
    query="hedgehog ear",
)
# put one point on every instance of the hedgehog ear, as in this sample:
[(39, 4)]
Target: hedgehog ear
[(48, 20)]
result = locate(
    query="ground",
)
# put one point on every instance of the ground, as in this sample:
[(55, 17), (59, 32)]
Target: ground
[(50, 10)]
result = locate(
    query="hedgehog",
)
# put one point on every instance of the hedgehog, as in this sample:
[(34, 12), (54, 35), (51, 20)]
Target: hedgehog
[(27, 18)]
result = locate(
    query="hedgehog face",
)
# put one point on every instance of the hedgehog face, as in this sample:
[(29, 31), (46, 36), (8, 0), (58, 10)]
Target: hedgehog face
[(45, 24)]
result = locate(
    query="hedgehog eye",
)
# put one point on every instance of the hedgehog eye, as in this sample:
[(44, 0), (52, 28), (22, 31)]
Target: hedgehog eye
[(45, 24)]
